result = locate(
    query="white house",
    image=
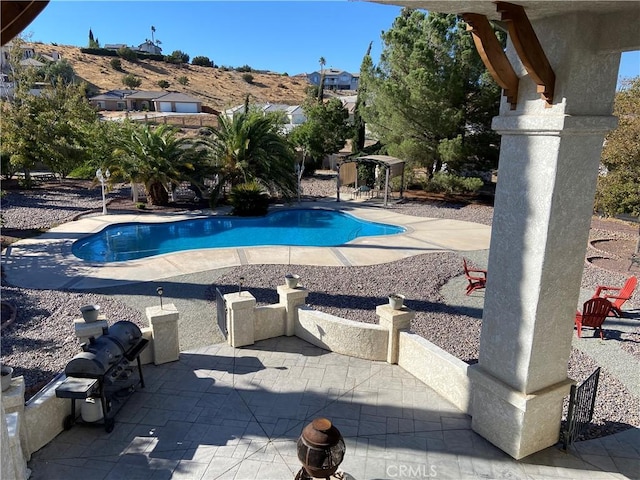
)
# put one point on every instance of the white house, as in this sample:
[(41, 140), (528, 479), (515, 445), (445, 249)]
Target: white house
[(335, 79), (150, 47), (294, 115)]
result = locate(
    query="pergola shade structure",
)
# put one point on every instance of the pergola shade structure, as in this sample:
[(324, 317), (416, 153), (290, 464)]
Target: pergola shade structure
[(393, 167), (17, 15), (567, 52)]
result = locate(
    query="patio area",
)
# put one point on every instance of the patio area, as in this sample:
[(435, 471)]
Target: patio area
[(224, 413)]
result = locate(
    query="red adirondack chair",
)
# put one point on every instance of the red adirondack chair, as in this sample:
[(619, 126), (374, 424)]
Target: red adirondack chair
[(594, 313), (620, 295), (477, 278)]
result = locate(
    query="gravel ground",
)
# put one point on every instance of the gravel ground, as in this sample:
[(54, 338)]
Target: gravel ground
[(44, 318)]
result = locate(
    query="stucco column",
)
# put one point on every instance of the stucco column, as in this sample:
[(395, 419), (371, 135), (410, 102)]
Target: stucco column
[(547, 174), (241, 318), (394, 321), (292, 298), (163, 322)]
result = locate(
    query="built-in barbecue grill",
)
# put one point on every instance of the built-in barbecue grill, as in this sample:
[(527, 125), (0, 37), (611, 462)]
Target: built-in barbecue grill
[(104, 371)]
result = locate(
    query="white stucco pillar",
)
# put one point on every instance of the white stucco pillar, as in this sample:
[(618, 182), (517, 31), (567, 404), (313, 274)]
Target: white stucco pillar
[(546, 183), (164, 329), (292, 299), (241, 318)]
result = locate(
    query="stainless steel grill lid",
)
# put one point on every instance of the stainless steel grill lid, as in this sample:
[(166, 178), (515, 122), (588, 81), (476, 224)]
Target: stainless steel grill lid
[(126, 333), (98, 357)]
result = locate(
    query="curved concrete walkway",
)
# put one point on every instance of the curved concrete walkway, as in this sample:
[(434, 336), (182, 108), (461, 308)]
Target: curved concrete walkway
[(57, 268)]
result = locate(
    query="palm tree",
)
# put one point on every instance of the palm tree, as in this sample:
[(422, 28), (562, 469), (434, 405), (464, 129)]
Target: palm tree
[(155, 157), (249, 148), (322, 62)]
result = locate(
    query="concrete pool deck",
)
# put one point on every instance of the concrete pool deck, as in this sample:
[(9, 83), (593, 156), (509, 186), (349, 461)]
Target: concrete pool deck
[(50, 254)]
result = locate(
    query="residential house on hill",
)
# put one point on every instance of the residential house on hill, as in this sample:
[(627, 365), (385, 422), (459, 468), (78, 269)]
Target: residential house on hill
[(28, 56), (335, 79), (5, 54), (294, 115), (112, 100), (147, 47), (28, 59), (146, 100), (115, 46), (150, 47)]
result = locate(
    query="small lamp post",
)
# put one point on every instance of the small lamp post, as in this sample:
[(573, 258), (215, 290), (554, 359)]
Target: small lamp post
[(103, 178), (160, 292)]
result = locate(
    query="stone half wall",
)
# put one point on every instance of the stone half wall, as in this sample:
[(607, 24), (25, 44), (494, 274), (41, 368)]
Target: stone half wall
[(389, 340), (438, 369), (269, 322), (339, 335)]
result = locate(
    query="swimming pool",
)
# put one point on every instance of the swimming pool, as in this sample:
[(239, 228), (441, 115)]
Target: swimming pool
[(300, 227)]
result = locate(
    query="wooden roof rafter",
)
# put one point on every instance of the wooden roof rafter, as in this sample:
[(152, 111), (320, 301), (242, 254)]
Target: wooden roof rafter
[(527, 47), (526, 43), (493, 55)]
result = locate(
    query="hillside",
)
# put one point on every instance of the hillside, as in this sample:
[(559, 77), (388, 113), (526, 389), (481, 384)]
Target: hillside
[(218, 89)]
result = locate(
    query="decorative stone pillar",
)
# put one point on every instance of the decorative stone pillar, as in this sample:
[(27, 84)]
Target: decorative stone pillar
[(164, 327), (548, 166), (394, 321), (13, 462), (292, 298), (13, 402), (241, 318), (85, 330)]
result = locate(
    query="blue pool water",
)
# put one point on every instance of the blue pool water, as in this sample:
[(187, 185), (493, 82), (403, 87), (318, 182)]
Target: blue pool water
[(320, 228)]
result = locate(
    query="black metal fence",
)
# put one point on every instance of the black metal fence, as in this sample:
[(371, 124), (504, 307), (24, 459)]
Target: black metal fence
[(581, 402), (221, 312)]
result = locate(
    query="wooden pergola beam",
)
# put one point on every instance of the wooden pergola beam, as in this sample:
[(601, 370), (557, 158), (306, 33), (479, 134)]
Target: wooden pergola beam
[(527, 45), (493, 55), (17, 15)]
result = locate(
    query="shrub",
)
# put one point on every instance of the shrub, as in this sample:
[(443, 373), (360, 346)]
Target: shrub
[(183, 80), (83, 172), (177, 56), (131, 81), (447, 183), (249, 199), (163, 84), (116, 64), (247, 77), (202, 61), (141, 205), (127, 54), (244, 68), (5, 165), (104, 52)]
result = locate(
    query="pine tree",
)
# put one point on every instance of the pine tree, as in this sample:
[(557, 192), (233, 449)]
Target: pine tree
[(358, 122), (433, 98)]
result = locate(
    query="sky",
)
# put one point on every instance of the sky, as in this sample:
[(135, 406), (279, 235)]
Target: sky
[(281, 36)]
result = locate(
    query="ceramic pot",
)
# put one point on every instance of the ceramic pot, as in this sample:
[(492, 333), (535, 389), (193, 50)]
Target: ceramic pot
[(292, 280), (5, 377), (90, 313), (396, 301)]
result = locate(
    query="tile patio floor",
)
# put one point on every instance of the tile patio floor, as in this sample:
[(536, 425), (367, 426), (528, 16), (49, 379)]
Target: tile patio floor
[(223, 413)]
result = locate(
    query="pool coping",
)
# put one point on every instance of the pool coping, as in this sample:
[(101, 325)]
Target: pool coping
[(46, 261)]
